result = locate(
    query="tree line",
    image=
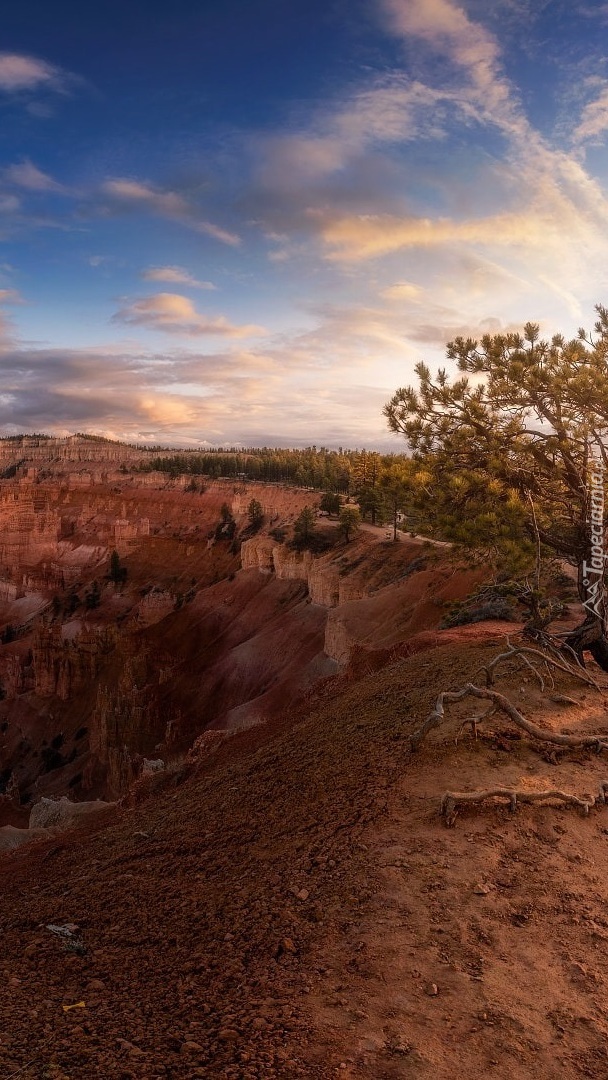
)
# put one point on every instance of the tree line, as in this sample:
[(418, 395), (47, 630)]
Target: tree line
[(321, 469)]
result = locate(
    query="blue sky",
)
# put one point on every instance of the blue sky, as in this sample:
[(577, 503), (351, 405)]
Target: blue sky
[(244, 221)]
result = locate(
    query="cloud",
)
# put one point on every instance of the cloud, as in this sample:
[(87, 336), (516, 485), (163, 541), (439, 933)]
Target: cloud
[(10, 296), (136, 194), (447, 28), (26, 175), (394, 110), (594, 120), (176, 314), (9, 204), (22, 75), (377, 235), (176, 276), (402, 290)]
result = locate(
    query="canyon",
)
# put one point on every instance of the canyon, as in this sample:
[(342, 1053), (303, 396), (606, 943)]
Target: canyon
[(205, 632)]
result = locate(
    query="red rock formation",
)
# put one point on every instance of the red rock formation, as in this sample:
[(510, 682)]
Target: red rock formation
[(196, 638)]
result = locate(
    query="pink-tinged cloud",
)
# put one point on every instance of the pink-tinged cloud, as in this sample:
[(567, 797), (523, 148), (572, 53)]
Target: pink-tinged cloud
[(25, 174), (19, 73), (446, 27), (176, 314), (594, 120), (167, 204)]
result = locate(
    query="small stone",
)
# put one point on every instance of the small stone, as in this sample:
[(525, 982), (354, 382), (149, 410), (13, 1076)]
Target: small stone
[(191, 1048), (95, 984), (129, 1047), (14, 981), (259, 1023), (303, 894), (228, 1035), (30, 950), (481, 890), (432, 989), (288, 945)]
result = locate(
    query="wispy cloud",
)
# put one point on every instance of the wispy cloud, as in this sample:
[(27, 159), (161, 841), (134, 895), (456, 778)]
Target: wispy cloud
[(393, 110), (472, 49), (26, 175), (11, 296), (130, 194), (19, 72), (593, 122), (175, 275), (33, 82), (176, 314)]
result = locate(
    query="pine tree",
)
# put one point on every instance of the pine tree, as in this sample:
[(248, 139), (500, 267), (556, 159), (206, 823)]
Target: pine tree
[(521, 439)]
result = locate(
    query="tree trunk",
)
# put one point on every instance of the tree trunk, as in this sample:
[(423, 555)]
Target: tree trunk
[(590, 636)]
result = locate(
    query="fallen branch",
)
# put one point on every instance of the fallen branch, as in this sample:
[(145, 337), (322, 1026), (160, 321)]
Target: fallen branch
[(452, 799), (502, 704), (523, 652)]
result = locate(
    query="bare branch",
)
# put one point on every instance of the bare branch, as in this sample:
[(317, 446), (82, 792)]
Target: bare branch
[(451, 799), (502, 704), (525, 650)]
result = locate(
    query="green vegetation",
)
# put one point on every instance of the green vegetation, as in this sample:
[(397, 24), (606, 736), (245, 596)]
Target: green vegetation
[(304, 529), (349, 522), (503, 461), (255, 514), (226, 526), (339, 471), (118, 572), (331, 503)]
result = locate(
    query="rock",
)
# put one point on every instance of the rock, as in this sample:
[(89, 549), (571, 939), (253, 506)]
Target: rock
[(95, 984), (129, 1047), (191, 1048), (303, 894), (481, 890), (153, 765), (432, 989), (288, 945), (228, 1035)]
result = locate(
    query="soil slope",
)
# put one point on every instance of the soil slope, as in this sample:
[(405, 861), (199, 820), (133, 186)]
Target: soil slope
[(290, 905)]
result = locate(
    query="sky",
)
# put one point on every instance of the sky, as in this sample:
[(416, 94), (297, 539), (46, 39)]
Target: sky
[(243, 222)]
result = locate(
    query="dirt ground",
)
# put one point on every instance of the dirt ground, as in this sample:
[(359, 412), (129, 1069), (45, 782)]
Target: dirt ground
[(293, 905)]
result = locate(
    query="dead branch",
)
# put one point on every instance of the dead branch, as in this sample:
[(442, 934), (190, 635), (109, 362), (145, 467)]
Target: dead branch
[(451, 799), (502, 704), (473, 722), (523, 652)]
